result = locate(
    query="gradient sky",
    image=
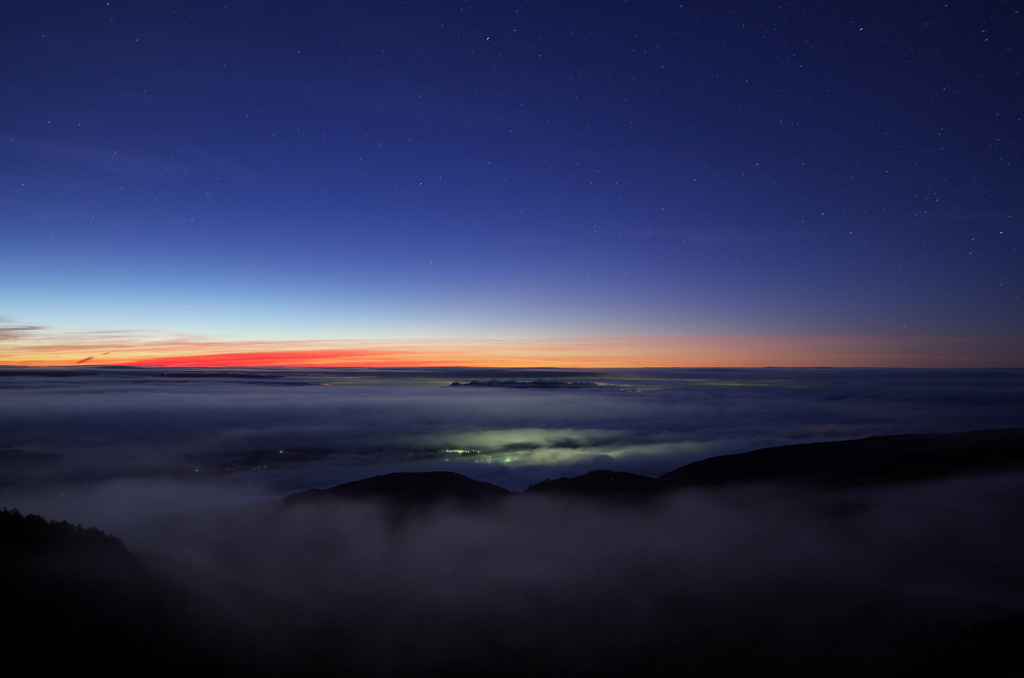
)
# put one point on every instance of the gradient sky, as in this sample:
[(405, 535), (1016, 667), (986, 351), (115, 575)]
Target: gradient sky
[(563, 183)]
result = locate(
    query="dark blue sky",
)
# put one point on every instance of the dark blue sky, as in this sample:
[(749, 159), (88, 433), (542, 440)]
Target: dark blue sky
[(314, 171)]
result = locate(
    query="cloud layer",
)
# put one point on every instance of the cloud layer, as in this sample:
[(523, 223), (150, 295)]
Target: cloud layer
[(183, 465), (74, 436), (533, 580)]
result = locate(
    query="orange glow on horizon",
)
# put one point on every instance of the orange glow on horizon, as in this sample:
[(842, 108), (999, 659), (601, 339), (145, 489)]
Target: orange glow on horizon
[(158, 349)]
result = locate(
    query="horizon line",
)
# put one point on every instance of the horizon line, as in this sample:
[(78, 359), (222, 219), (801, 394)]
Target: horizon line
[(148, 348)]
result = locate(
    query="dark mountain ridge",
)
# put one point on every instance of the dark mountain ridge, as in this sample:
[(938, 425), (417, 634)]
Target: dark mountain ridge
[(408, 489), (880, 460), (536, 383), (865, 461), (75, 597)]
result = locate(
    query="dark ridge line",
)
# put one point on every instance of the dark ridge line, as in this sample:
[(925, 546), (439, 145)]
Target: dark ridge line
[(878, 460), (536, 383), (408, 488)]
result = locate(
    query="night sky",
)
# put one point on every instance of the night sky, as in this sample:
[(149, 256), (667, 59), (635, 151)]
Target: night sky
[(559, 183)]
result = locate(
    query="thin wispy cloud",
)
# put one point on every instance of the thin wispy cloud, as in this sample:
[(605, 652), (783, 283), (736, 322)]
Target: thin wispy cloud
[(10, 331), (125, 162)]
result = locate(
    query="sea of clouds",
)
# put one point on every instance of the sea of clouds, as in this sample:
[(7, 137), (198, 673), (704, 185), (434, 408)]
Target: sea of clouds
[(185, 466), (108, 446)]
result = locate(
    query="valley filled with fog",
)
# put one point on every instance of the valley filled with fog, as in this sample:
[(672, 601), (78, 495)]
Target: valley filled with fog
[(800, 560), (114, 446)]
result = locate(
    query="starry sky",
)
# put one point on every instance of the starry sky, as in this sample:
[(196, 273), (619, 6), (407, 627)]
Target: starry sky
[(601, 183)]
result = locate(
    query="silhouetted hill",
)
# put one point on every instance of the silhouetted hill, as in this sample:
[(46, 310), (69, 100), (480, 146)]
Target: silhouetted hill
[(616, 485), (880, 460), (536, 383), (850, 463), (867, 461), (409, 489), (75, 597)]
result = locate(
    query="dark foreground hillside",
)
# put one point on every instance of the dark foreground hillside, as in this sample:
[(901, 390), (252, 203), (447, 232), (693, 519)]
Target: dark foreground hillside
[(892, 556), (75, 598)]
